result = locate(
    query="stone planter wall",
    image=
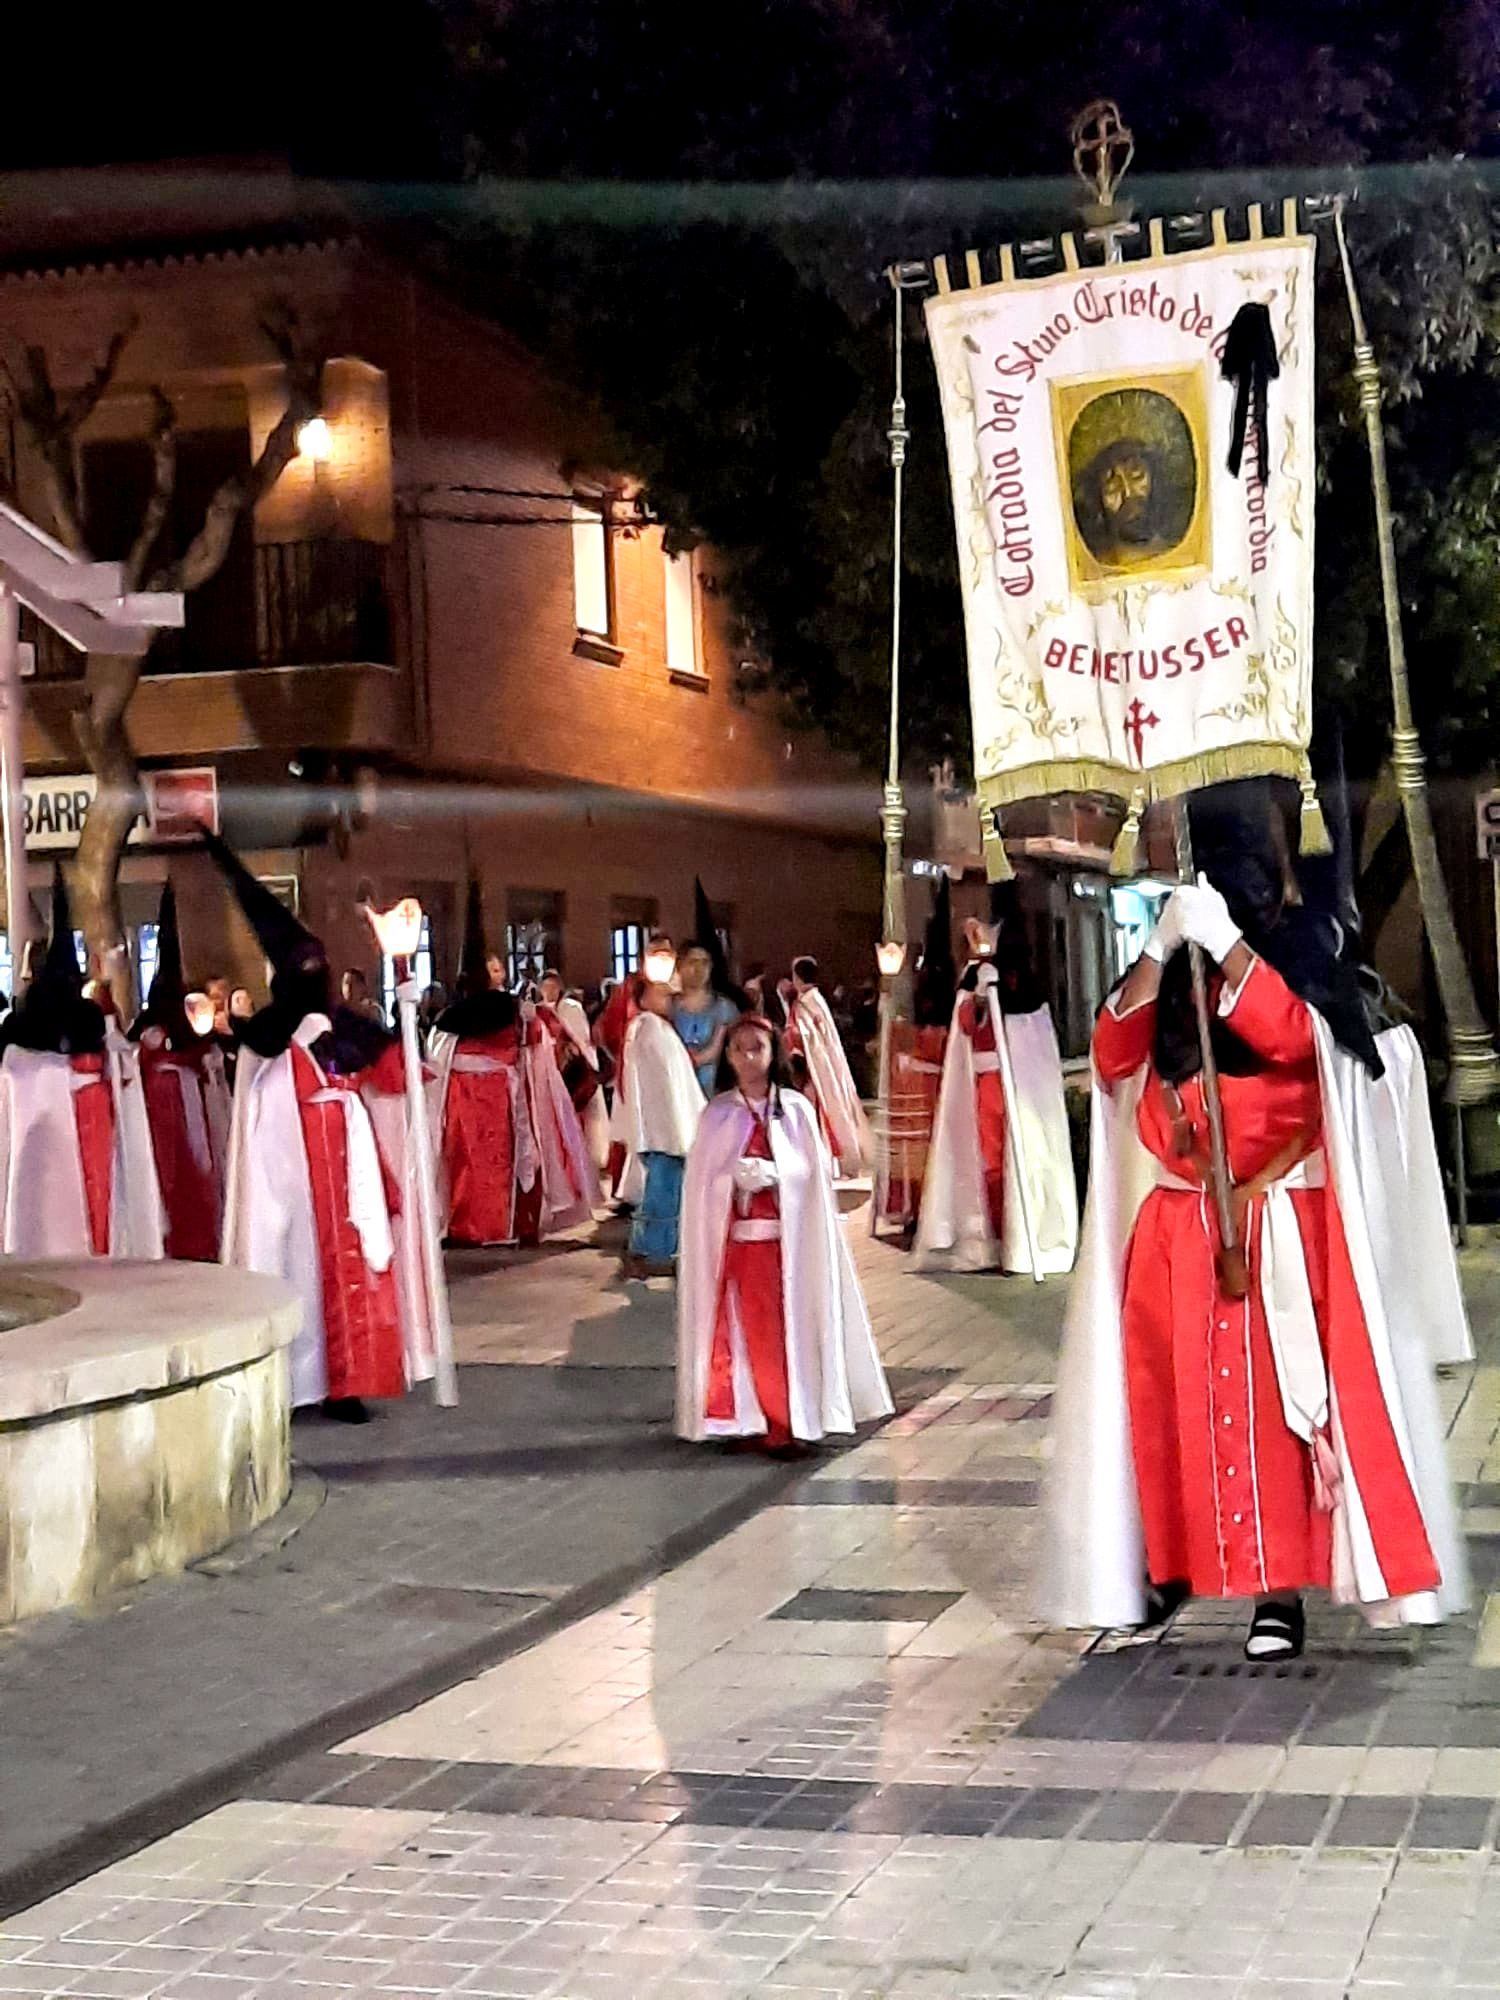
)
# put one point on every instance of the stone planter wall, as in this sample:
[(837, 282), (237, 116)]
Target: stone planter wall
[(140, 1430)]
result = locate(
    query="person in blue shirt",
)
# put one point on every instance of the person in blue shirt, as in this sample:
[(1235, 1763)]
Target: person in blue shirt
[(702, 1016)]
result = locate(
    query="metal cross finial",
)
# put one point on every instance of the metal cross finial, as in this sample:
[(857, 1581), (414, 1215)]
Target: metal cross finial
[(1103, 148)]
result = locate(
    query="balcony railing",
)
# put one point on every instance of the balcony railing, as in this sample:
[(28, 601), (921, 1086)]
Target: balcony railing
[(277, 604)]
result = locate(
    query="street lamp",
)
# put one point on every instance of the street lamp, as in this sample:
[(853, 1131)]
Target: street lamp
[(890, 956), (398, 931)]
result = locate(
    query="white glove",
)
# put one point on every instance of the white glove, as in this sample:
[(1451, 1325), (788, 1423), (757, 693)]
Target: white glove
[(1206, 920), (754, 1176), (1168, 934)]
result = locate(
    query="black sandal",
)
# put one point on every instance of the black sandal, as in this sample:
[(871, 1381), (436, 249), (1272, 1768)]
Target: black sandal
[(1277, 1631), (1163, 1602)]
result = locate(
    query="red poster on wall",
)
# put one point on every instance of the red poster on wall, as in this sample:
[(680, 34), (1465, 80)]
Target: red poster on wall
[(180, 804)]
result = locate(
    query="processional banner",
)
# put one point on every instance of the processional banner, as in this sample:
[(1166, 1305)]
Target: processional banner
[(1139, 619)]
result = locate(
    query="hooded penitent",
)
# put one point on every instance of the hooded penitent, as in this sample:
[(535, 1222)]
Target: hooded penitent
[(301, 983), (166, 1006), (1008, 951), (937, 975), (52, 1015), (706, 937), (1244, 841), (479, 1009)]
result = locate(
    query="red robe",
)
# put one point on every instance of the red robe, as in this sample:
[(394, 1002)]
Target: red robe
[(189, 1185), (989, 1102), (94, 1121), (610, 1030), (916, 1074), (578, 1072), (750, 1289), (479, 1141), (1228, 1496), (361, 1324)]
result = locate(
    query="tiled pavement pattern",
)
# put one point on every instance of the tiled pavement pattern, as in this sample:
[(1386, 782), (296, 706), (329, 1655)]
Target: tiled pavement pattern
[(444, 1537), (831, 1756)]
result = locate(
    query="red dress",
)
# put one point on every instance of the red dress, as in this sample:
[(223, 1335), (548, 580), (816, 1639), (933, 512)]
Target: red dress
[(916, 1078), (94, 1122), (750, 1290), (362, 1329), (189, 1185), (479, 1139), (974, 1020), (1226, 1487)]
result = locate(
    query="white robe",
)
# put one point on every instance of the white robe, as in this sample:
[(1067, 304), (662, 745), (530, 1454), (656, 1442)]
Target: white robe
[(270, 1223), (562, 1153), (833, 1082), (953, 1227), (43, 1205), (390, 1118), (834, 1374), (1093, 1566), (595, 1117), (660, 1100)]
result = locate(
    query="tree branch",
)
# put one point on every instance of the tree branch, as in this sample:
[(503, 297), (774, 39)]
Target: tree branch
[(163, 442), (241, 493), (83, 402)]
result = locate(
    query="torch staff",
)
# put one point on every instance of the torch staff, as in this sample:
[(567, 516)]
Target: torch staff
[(1233, 1273)]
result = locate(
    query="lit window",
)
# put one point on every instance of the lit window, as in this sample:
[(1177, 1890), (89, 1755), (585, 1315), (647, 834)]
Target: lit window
[(533, 935), (593, 606), (147, 957), (680, 574), (632, 919)]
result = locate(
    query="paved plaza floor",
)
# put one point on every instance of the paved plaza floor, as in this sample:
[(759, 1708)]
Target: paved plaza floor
[(818, 1745)]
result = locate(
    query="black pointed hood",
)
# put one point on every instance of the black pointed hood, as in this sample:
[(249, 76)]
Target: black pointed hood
[(706, 937), (474, 957), (300, 980), (937, 975), (480, 1007), (1020, 989), (166, 1003), (52, 1015), (1245, 841)]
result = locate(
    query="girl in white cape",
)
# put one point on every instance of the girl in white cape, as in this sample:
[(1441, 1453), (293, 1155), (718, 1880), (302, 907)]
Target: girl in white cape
[(773, 1340)]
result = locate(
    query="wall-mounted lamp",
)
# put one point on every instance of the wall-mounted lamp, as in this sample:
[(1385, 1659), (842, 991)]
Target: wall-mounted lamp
[(315, 440)]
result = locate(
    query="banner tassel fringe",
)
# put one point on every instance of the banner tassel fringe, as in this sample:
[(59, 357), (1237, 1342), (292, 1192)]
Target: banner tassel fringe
[(997, 863), (1313, 837), (1123, 855)]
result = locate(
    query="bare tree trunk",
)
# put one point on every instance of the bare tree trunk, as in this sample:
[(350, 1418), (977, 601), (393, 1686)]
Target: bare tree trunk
[(94, 877)]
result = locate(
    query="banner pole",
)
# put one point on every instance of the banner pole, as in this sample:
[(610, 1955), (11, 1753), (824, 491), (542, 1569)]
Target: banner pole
[(1233, 1272), (1014, 1133), (1474, 1069)]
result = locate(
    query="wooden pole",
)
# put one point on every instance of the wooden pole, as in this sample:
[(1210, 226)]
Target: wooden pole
[(1234, 1274), (12, 804)]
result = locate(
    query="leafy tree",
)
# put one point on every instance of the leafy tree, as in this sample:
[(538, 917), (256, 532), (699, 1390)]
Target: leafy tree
[(735, 338)]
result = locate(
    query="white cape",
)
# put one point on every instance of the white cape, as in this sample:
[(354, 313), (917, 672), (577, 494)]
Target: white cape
[(660, 1100), (833, 1368), (595, 1118), (833, 1082), (43, 1206), (1093, 1567), (269, 1220), (953, 1226), (390, 1118), (562, 1154)]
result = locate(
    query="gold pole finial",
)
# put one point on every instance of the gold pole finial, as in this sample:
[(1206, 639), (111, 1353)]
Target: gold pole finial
[(1103, 148)]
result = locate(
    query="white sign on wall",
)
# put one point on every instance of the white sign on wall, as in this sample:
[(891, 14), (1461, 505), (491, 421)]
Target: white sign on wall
[(177, 804)]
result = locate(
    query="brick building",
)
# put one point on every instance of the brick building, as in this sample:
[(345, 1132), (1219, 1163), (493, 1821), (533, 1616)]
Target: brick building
[(443, 638)]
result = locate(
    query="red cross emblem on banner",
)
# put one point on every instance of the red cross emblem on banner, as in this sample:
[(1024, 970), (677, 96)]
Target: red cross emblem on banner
[(1138, 719)]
